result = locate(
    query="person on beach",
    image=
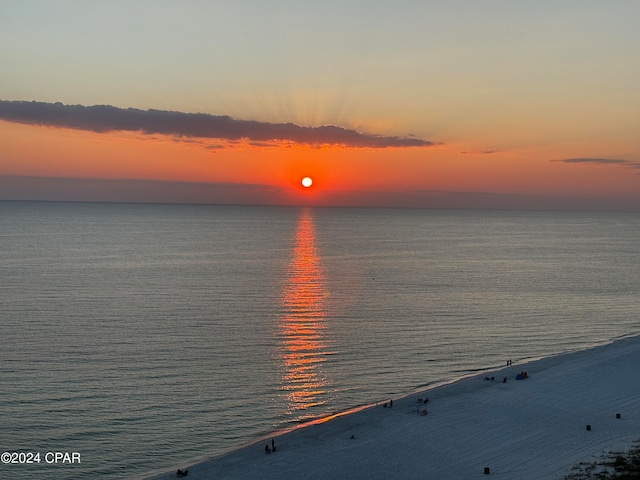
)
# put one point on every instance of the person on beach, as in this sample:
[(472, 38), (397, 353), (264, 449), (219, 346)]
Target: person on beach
[(273, 445), (266, 449)]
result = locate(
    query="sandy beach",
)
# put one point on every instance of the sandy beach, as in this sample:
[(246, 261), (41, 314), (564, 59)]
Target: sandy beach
[(572, 408)]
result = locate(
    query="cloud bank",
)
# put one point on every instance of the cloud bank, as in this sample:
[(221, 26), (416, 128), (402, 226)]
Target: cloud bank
[(107, 118), (601, 161), (480, 152)]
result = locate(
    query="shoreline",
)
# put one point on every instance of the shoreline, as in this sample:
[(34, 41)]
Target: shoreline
[(512, 428)]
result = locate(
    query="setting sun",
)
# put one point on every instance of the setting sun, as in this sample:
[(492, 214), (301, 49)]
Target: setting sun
[(307, 182)]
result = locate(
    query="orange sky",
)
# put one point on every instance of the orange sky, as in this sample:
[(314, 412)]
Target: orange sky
[(340, 174), (507, 105)]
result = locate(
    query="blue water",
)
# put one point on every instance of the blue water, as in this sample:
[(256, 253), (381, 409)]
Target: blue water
[(145, 336)]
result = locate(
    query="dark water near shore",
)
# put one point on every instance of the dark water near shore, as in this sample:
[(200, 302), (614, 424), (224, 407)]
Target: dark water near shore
[(142, 336)]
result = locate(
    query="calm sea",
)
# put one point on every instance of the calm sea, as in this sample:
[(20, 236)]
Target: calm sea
[(144, 336)]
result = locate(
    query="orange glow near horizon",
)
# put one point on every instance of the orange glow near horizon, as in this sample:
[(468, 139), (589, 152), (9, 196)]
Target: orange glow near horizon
[(273, 171), (303, 323)]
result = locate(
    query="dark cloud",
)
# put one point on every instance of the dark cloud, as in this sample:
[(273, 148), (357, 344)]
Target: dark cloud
[(601, 161), (480, 152), (591, 160), (106, 118)]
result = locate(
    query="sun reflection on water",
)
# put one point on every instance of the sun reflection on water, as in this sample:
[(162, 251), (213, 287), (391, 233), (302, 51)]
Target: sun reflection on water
[(304, 346)]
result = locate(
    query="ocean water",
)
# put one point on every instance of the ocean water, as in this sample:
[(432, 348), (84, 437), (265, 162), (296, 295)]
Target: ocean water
[(146, 336)]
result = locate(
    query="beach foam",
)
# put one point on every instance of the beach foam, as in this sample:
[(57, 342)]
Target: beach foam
[(522, 429)]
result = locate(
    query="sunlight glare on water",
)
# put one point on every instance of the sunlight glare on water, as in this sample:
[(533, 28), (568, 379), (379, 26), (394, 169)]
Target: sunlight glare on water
[(303, 324), (144, 336)]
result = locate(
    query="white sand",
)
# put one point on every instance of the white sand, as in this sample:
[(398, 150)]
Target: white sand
[(529, 429)]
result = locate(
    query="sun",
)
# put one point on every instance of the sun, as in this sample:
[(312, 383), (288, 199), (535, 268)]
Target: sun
[(307, 182)]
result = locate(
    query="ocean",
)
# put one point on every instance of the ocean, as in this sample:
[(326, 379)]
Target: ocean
[(142, 337)]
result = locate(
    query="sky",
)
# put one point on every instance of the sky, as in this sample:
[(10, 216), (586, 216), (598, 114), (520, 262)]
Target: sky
[(433, 104)]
